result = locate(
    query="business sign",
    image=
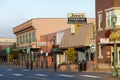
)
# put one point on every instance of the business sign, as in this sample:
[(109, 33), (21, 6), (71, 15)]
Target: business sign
[(104, 40), (77, 18), (41, 43)]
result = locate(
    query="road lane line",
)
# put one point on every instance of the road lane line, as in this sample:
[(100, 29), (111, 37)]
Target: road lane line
[(66, 75), (9, 69), (41, 75), (90, 76), (17, 74), (25, 70), (1, 75)]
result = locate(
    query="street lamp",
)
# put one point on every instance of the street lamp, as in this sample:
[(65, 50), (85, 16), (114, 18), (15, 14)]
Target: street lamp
[(54, 50), (41, 52), (114, 20)]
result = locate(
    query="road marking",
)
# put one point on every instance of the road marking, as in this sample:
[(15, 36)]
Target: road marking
[(1, 75), (25, 70), (9, 69), (90, 76), (41, 75), (17, 74), (38, 78), (66, 75)]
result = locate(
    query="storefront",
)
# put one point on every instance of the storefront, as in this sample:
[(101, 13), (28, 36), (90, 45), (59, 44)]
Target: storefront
[(106, 53), (80, 41)]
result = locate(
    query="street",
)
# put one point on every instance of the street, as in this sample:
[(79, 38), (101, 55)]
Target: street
[(17, 73)]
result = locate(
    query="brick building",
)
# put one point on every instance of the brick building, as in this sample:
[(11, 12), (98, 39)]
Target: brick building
[(105, 9)]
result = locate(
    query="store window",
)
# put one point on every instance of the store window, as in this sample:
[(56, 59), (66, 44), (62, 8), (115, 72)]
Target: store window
[(100, 51)]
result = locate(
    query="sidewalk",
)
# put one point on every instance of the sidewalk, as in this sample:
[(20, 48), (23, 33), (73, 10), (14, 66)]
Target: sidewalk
[(111, 78)]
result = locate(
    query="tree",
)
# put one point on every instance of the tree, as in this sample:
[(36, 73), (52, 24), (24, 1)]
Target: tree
[(71, 55), (13, 53), (115, 35)]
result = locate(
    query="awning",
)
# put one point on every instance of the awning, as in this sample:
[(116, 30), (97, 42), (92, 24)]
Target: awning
[(79, 39), (56, 50)]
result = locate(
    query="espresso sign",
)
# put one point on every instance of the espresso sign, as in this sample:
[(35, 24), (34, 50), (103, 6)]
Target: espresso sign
[(77, 18)]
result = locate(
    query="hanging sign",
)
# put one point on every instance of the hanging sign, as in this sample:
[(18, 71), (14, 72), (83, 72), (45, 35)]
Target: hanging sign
[(77, 18)]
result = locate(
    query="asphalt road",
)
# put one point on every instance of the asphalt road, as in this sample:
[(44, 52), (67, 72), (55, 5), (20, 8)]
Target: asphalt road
[(17, 73)]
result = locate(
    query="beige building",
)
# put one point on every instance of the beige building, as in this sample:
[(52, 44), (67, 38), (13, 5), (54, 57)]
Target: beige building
[(30, 31), (29, 34)]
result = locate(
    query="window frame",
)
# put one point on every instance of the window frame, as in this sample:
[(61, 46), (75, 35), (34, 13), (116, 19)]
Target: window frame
[(100, 21)]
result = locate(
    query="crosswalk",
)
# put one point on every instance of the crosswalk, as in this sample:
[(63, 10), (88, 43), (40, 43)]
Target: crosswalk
[(45, 75), (90, 76), (1, 75), (42, 75)]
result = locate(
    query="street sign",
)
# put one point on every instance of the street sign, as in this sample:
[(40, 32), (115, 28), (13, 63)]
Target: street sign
[(7, 50)]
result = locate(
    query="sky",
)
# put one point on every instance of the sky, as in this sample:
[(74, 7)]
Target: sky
[(15, 12)]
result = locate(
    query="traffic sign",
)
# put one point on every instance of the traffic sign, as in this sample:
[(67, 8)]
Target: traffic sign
[(7, 50)]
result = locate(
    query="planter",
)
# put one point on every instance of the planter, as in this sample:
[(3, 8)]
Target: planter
[(63, 67), (72, 67)]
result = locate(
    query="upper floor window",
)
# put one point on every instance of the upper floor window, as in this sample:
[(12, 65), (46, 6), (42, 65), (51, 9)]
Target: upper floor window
[(33, 36), (100, 20), (117, 13), (18, 41), (109, 14), (27, 38)]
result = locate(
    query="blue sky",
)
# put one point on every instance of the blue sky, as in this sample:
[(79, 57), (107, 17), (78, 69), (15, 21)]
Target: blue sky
[(15, 12)]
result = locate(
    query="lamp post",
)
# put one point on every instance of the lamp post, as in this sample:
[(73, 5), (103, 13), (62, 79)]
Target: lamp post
[(114, 20), (54, 50), (41, 52)]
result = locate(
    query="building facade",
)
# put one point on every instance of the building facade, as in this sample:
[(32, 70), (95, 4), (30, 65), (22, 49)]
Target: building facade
[(105, 9), (29, 35), (80, 41)]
